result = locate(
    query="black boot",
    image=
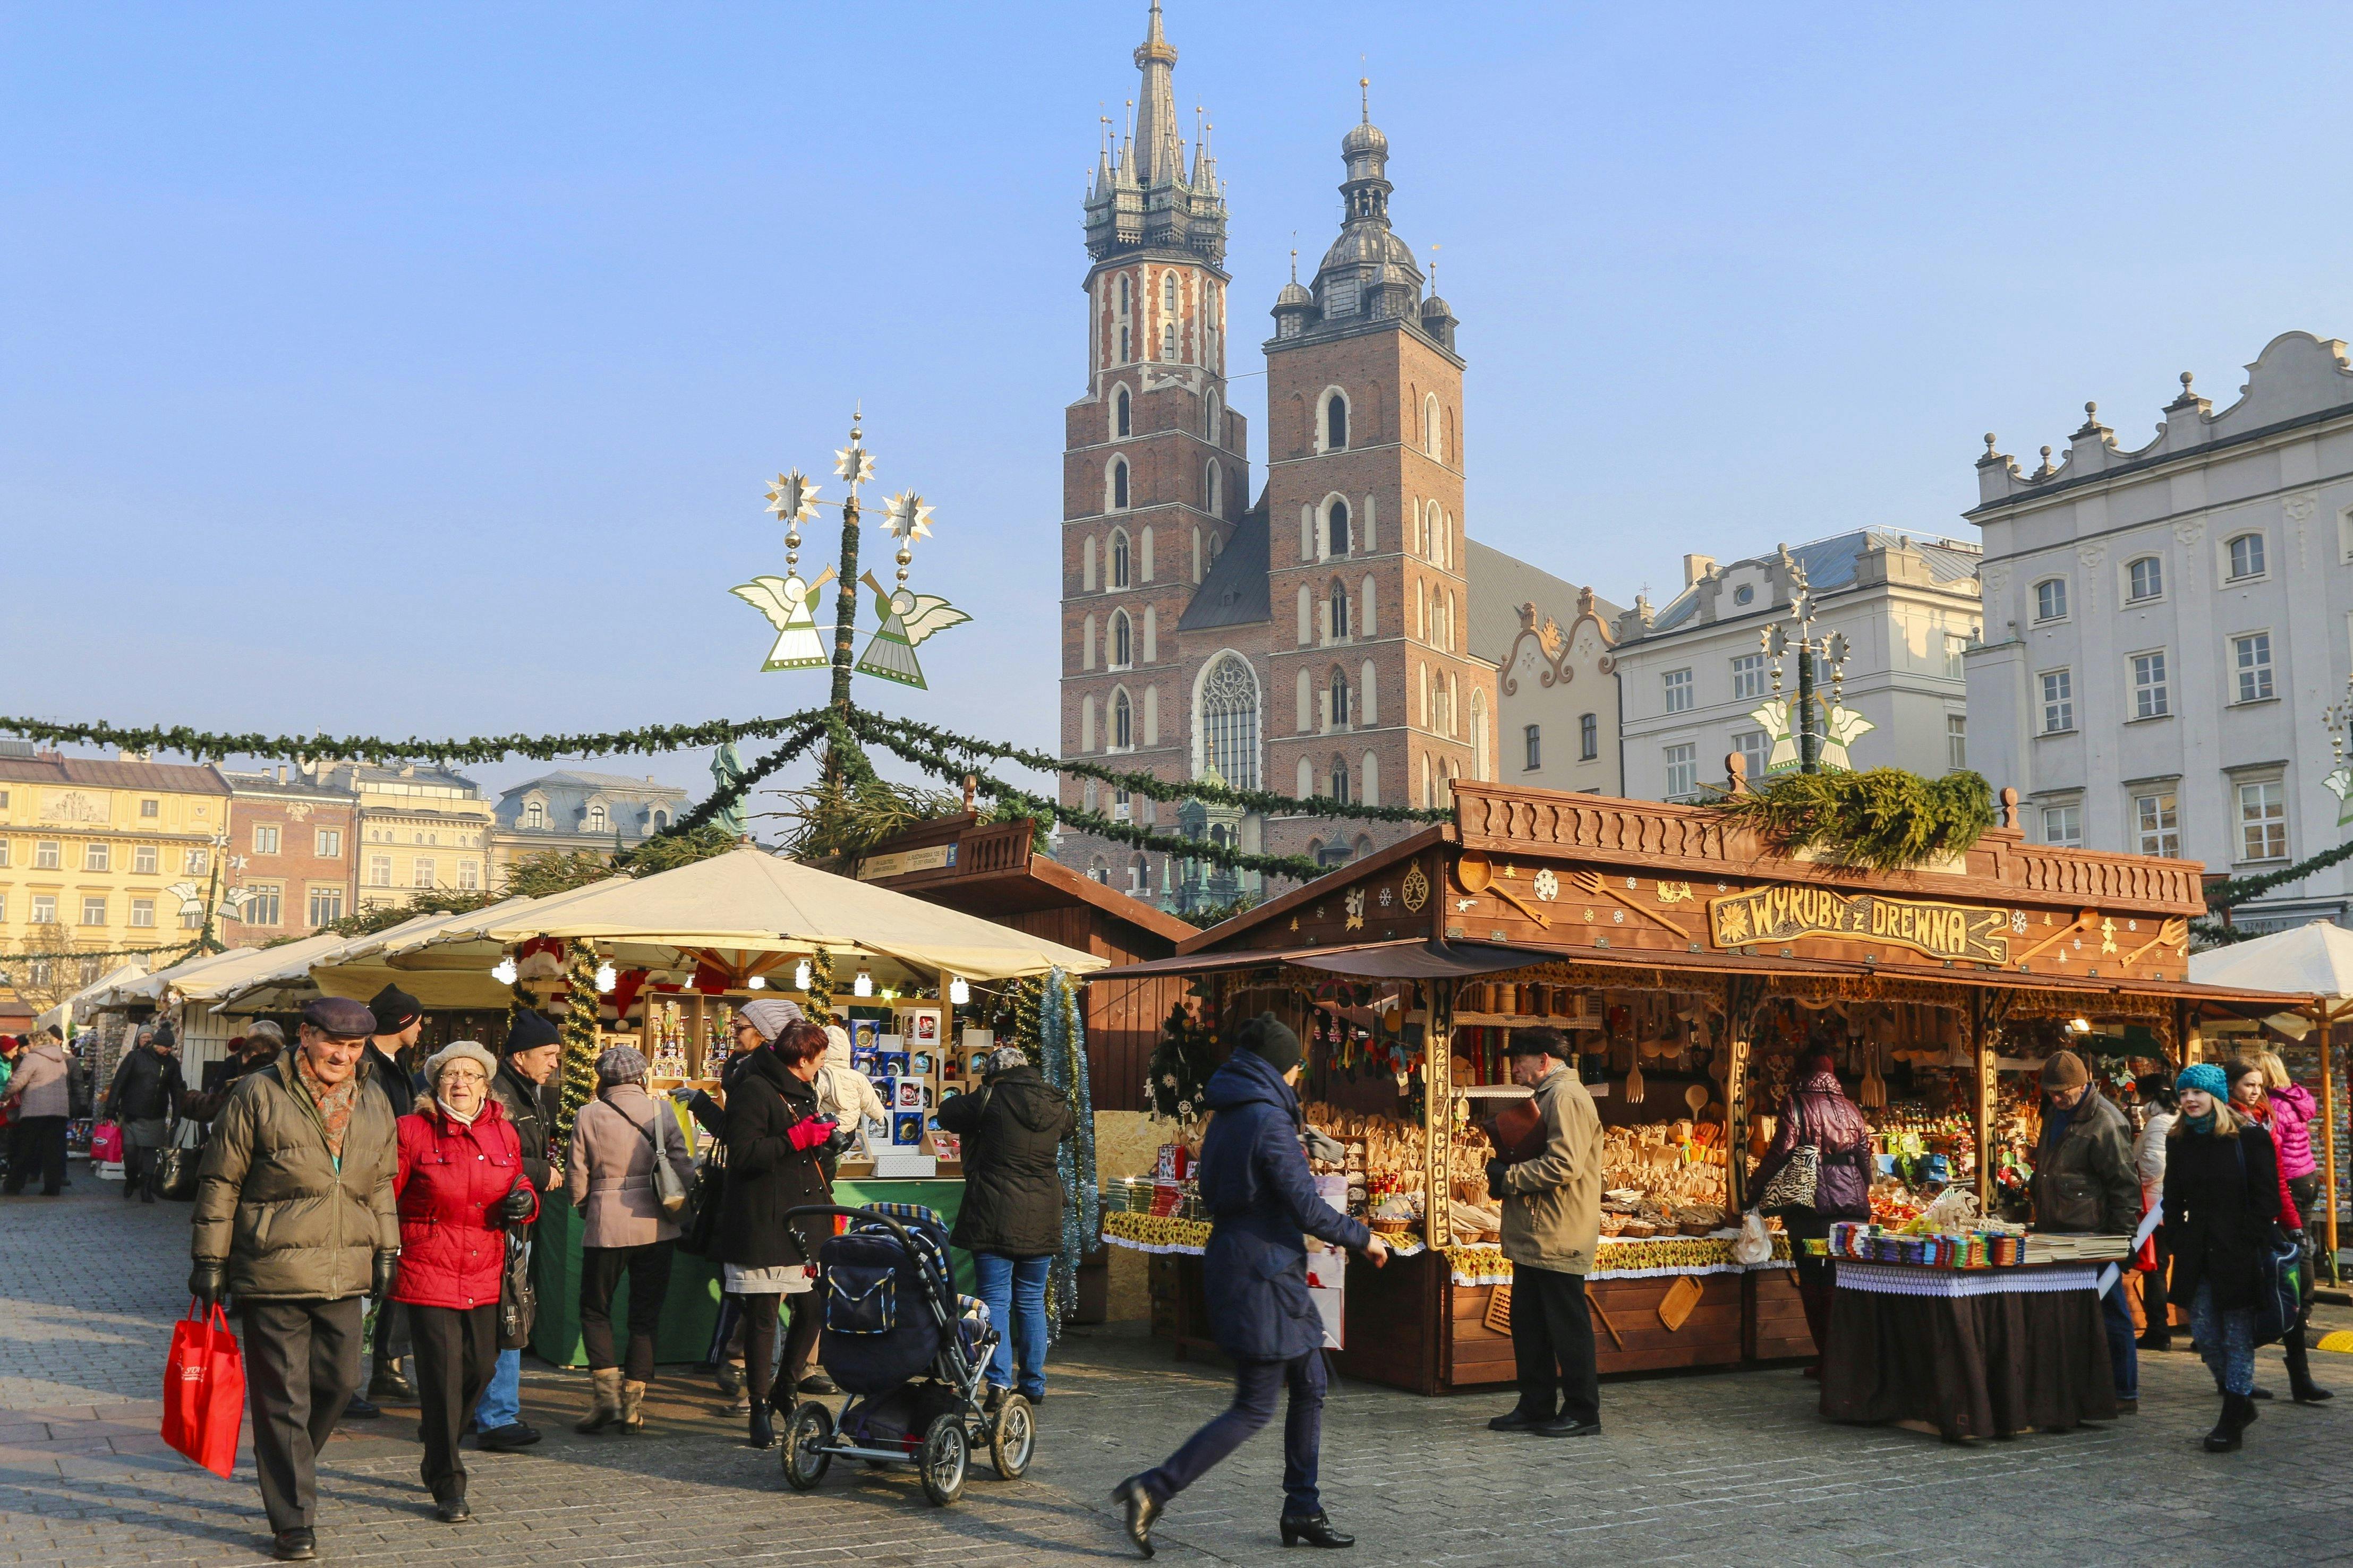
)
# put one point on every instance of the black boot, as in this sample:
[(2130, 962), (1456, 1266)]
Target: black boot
[(763, 1428), (1140, 1508), (1315, 1528), (2238, 1414)]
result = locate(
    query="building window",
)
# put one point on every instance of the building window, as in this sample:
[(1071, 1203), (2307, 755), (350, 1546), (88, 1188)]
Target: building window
[(1340, 780), (1123, 723), (1335, 423), (1339, 599), (2051, 599), (469, 876), (1339, 689), (2158, 824), (1209, 486), (1534, 737), (1756, 749), (96, 857), (2145, 579), (1957, 650), (534, 815), (331, 844), (45, 909), (1682, 770), (265, 837), (142, 913), (151, 808), (420, 871), (2263, 821), (597, 820), (1748, 677), (326, 906), (6, 851), (2064, 826), (1229, 722), (46, 855), (2058, 702), (93, 911), (2246, 556), (262, 908), (2251, 656), (1588, 737), (1335, 529), (144, 860), (1119, 561), (1678, 684), (196, 862), (1957, 741), (2150, 699), (1119, 485), (1122, 641), (1124, 414), (379, 870)]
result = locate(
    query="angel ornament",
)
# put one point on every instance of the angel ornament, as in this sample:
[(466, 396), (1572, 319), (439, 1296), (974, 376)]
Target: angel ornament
[(908, 618), (788, 602)]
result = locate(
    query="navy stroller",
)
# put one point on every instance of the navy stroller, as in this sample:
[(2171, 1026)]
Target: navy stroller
[(911, 1353)]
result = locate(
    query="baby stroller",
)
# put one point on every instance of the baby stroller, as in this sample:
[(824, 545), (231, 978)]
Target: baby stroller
[(909, 1353)]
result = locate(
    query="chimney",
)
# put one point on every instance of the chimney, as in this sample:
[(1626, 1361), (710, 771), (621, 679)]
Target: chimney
[(1696, 567), (282, 772)]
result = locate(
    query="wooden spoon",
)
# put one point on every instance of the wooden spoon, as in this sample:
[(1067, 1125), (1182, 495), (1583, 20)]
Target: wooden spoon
[(1477, 875), (1695, 1097)]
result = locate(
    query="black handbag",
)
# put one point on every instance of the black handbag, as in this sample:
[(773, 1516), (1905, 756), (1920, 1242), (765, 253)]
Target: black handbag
[(518, 1298), (699, 1238)]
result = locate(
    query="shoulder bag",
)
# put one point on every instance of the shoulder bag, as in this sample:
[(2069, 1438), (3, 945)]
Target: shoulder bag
[(698, 1229), (1796, 1185), (671, 1192)]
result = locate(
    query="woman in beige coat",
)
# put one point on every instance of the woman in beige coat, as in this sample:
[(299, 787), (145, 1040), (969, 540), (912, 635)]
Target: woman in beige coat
[(610, 1175)]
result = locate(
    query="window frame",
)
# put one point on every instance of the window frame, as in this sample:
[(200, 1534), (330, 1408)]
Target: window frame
[(2164, 830), (325, 906), (2152, 687), (1748, 676), (2265, 671), (1957, 756), (146, 860), (1678, 689), (2059, 583), (2270, 824), (2259, 554), (268, 836), (2063, 706), (1682, 758), (2073, 810), (1532, 740), (1588, 737), (2133, 593)]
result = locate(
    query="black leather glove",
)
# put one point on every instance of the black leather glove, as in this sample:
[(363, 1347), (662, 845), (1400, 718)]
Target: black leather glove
[(520, 1205), (1495, 1169), (208, 1283), (386, 1274)]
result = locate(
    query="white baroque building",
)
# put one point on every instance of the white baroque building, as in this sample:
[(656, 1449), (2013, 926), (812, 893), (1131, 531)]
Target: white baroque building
[(2165, 627), (1691, 674)]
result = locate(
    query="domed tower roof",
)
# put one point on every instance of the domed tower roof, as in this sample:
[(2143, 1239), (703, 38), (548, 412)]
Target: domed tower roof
[(1368, 274), (1365, 138)]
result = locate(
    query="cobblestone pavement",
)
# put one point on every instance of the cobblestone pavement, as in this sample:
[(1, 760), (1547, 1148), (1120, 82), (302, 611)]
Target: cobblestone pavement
[(1729, 1469)]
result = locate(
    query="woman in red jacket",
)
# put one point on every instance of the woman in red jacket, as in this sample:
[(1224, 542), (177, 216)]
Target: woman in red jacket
[(461, 1185)]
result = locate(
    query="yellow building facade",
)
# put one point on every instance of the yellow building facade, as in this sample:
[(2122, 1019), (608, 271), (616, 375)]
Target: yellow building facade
[(419, 829)]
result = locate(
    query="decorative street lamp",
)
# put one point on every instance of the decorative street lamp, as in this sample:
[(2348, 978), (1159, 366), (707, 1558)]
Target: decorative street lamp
[(1819, 734)]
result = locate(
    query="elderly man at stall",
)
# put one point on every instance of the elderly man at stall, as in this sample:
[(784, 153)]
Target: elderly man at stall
[(295, 1219), (2084, 1181), (1552, 1226), (527, 1060)]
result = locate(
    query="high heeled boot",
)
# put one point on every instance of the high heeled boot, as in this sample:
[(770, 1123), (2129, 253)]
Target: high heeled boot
[(633, 1408), (606, 1390)]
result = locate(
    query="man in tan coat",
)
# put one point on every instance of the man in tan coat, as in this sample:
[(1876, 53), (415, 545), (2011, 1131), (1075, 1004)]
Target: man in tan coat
[(1552, 1224)]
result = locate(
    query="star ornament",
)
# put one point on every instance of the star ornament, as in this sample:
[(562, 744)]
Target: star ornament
[(855, 464), (793, 498), (906, 517)]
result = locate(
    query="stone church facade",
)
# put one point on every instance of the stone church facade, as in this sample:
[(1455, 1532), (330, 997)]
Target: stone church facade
[(1316, 642)]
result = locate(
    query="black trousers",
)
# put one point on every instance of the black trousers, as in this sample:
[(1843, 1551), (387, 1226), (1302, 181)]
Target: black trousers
[(457, 1351), (36, 1141), (301, 1366), (1552, 1342), (760, 1344), (601, 1271)]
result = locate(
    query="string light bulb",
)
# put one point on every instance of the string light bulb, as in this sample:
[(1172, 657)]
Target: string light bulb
[(757, 983), (958, 991), (801, 976), (863, 986), (607, 976), (503, 971)]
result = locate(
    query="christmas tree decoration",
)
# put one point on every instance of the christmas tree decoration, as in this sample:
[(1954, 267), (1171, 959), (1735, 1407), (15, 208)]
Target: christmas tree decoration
[(786, 602), (577, 1059), (907, 619)]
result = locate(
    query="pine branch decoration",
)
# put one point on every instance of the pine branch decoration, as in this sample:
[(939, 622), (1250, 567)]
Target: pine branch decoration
[(1883, 819), (578, 1061)]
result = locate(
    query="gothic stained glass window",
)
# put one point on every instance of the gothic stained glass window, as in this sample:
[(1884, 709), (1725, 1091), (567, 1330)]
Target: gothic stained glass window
[(1228, 722)]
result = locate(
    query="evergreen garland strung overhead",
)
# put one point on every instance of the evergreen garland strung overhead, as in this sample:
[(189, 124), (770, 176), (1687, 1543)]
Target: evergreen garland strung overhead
[(579, 1059), (212, 746), (1883, 819), (817, 1006), (2240, 889)]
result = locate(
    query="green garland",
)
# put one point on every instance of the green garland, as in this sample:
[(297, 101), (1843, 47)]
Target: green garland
[(2238, 889), (578, 1060), (212, 746), (1181, 1065), (1885, 819), (720, 799), (818, 1007), (185, 948)]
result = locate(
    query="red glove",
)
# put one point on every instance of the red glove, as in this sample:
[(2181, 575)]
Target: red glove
[(811, 1132)]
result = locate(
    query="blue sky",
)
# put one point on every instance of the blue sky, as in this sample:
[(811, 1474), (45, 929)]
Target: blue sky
[(418, 368)]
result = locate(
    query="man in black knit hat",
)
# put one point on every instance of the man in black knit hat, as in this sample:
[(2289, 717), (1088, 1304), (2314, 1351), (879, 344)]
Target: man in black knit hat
[(399, 1019)]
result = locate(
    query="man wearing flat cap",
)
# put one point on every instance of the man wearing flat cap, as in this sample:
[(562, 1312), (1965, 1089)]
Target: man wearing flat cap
[(527, 1061), (295, 1219)]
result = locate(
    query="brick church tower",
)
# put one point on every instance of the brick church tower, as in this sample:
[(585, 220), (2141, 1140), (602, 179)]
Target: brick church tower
[(1155, 468), (1374, 695)]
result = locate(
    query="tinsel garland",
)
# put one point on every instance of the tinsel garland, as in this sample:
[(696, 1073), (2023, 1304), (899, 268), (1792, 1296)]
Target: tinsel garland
[(818, 1006), (1151, 786), (1061, 1054), (212, 746), (578, 1061)]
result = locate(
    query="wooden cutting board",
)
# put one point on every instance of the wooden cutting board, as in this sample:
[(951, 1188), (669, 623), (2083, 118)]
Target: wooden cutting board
[(1676, 1306)]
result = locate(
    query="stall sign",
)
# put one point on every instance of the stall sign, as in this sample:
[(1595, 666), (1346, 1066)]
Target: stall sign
[(938, 857), (1784, 913)]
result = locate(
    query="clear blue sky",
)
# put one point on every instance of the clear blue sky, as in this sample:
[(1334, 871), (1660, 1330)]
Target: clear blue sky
[(418, 368)]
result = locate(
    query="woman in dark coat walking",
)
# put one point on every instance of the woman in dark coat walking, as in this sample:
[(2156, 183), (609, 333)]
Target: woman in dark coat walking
[(1255, 1183), (1816, 1113), (776, 1145), (1011, 1221), (2222, 1205)]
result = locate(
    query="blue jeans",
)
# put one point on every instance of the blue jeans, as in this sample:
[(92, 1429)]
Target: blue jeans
[(1255, 1383), (2123, 1356), (502, 1403), (1015, 1290), (2226, 1339)]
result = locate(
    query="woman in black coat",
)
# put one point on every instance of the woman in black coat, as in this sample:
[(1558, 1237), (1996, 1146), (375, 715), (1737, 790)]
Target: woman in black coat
[(2222, 1207), (1011, 1221), (776, 1162)]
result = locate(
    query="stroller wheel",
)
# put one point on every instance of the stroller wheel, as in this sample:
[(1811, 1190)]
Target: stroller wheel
[(948, 1455), (805, 1437), (1014, 1437)]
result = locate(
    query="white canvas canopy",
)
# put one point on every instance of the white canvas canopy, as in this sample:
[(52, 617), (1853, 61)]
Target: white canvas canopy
[(82, 1003), (453, 977), (2315, 960)]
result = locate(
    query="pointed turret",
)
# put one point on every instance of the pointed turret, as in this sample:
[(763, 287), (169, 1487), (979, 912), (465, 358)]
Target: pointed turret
[(1148, 203)]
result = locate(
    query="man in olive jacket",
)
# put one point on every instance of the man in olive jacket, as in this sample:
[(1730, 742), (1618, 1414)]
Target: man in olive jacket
[(2084, 1180), (1552, 1226), (295, 1219)]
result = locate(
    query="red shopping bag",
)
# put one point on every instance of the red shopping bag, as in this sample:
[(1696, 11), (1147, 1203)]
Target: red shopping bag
[(106, 1143), (204, 1390)]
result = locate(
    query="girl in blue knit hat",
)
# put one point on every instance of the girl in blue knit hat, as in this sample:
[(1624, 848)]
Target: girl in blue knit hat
[(2221, 1209)]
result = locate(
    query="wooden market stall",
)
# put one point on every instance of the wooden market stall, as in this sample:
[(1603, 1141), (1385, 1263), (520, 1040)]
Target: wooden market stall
[(1690, 965)]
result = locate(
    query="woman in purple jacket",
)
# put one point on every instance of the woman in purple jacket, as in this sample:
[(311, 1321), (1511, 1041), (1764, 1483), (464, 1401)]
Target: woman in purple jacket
[(1817, 1114)]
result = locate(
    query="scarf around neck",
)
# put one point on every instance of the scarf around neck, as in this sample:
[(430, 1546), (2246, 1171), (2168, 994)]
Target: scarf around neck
[(335, 1105), (2201, 1125)]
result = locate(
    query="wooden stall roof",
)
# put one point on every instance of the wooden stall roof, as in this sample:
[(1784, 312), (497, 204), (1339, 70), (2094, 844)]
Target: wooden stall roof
[(1593, 880), (993, 870)]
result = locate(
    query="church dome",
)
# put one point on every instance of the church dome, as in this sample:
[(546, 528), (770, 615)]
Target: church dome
[(1293, 294), (1362, 139)]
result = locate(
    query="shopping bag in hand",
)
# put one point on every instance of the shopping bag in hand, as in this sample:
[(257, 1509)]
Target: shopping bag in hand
[(204, 1390), (106, 1142)]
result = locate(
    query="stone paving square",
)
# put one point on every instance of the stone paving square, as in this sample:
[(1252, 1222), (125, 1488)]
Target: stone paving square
[(1706, 1470)]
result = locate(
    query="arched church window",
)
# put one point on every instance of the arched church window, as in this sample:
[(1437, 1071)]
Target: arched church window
[(1122, 641), (1339, 600), (1340, 785), (1119, 485), (1123, 721), (1335, 423), (1119, 558), (1340, 694), (1335, 529), (1228, 720), (1210, 490), (1124, 421)]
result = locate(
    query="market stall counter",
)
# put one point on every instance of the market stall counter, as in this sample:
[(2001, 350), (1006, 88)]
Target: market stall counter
[(1690, 968)]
